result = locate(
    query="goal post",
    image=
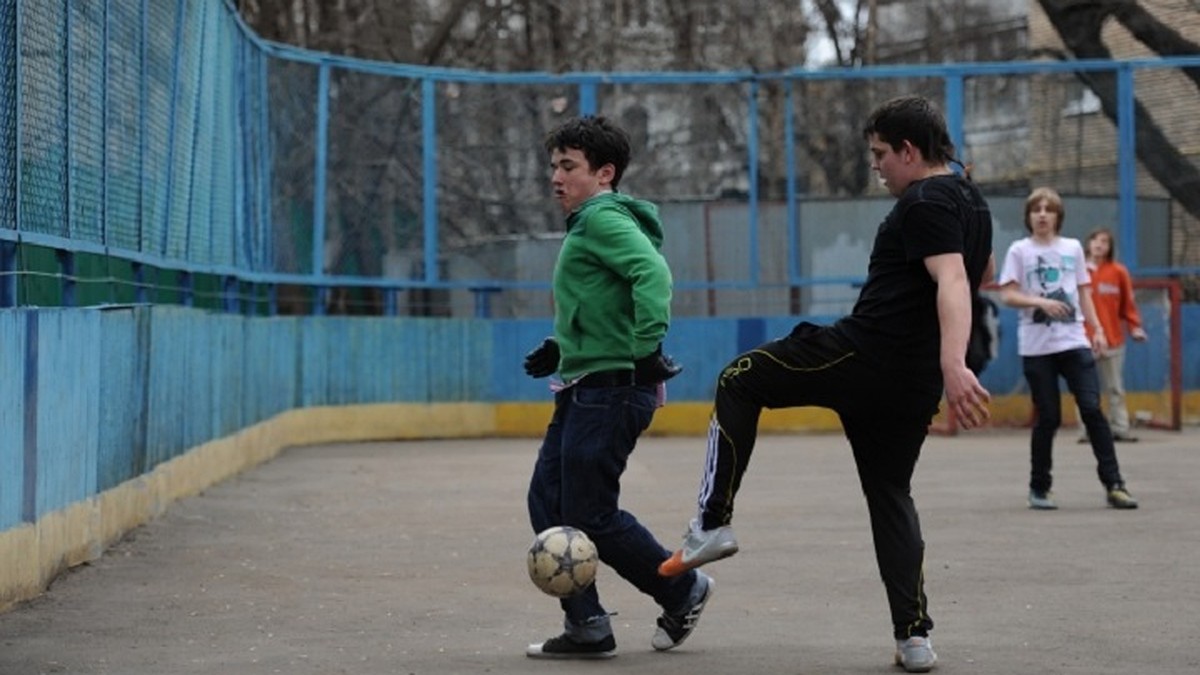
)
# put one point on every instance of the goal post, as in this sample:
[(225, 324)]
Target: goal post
[(1154, 368)]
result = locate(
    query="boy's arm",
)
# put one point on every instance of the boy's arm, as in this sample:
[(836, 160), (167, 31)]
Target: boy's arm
[(1129, 311), (1089, 315), (965, 396)]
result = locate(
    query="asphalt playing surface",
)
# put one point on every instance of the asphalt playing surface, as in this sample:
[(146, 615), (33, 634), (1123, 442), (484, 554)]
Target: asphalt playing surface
[(410, 558)]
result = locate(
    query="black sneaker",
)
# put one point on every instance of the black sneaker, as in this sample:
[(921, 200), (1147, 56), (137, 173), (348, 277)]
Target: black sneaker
[(673, 629), (563, 647)]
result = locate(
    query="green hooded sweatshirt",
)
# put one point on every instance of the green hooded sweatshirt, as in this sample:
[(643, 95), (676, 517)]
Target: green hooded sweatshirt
[(612, 287)]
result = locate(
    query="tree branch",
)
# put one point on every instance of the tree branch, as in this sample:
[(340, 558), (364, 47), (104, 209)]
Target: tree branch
[(1079, 24)]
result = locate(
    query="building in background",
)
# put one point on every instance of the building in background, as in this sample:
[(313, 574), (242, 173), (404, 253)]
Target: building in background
[(1074, 143)]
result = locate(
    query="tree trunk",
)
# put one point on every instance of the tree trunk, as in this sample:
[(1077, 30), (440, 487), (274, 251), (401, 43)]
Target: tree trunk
[(1079, 24)]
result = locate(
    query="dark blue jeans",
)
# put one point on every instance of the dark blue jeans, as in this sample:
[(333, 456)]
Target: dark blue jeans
[(577, 482), (1078, 368)]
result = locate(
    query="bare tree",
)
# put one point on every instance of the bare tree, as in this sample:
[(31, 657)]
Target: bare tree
[(707, 126), (1079, 24)]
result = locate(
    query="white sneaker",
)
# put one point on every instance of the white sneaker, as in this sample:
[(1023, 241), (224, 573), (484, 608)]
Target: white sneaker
[(673, 629), (915, 654), (699, 547)]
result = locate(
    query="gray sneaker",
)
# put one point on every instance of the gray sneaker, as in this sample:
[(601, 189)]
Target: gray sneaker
[(915, 654), (1041, 501), (699, 547), (673, 629)]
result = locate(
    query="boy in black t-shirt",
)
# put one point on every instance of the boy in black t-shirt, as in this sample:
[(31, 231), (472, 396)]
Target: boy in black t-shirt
[(882, 368)]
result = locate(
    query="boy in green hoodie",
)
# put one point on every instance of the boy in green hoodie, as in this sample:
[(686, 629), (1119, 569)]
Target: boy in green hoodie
[(612, 307)]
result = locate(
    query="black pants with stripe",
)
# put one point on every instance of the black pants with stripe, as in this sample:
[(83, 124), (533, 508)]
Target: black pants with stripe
[(885, 420)]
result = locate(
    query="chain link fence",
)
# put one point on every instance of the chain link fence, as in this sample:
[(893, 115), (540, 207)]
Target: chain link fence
[(159, 152)]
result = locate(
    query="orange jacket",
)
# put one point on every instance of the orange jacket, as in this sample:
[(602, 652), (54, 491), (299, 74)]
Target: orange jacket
[(1112, 294)]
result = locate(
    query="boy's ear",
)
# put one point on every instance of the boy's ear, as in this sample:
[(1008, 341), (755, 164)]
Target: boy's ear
[(911, 153), (606, 173)]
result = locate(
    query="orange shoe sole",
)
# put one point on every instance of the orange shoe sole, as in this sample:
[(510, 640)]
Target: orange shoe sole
[(674, 566)]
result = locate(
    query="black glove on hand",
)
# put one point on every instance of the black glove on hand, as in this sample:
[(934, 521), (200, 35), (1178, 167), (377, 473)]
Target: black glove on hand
[(543, 360), (655, 368)]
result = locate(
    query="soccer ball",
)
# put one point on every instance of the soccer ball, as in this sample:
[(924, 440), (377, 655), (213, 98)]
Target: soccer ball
[(562, 561)]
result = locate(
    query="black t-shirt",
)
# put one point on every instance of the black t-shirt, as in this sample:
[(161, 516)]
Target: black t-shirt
[(895, 320)]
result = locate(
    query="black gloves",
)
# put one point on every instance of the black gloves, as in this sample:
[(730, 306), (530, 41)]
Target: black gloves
[(655, 368), (543, 360), (651, 369)]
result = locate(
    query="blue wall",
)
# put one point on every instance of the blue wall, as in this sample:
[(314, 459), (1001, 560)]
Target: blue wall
[(94, 397), (705, 346)]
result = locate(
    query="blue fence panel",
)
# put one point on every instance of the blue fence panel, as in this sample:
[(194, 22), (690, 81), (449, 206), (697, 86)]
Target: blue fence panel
[(377, 360), (1191, 352), (1150, 372), (202, 379), (68, 407), (511, 340), (12, 415), (323, 355), (227, 373), (458, 359), (123, 371), (169, 390), (411, 375), (375, 381), (272, 364)]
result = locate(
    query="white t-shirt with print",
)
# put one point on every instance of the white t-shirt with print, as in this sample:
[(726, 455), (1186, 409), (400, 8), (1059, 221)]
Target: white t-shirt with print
[(1055, 270)]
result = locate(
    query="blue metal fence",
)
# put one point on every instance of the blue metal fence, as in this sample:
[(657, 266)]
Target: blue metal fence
[(167, 135)]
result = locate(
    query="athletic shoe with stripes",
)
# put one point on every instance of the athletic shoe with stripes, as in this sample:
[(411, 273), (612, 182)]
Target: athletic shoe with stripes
[(699, 547), (673, 629)]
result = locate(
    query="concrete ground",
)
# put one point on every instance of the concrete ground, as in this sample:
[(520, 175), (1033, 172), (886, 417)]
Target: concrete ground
[(410, 558)]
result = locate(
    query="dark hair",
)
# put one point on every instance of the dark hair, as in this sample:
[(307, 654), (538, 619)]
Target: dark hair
[(1052, 199), (601, 141), (914, 119)]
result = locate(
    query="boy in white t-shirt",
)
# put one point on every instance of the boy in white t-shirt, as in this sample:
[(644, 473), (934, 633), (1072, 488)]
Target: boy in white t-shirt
[(1046, 277)]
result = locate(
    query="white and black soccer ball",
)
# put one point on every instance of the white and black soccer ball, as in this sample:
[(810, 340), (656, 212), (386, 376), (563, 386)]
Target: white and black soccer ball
[(562, 561)]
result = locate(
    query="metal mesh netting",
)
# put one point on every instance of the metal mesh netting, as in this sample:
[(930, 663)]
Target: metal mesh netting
[(8, 115), (124, 133), (1171, 110), (374, 173), (128, 134), (292, 93), (43, 119), (85, 131)]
